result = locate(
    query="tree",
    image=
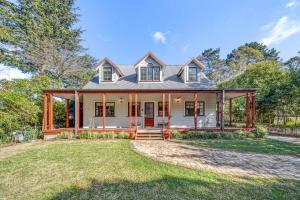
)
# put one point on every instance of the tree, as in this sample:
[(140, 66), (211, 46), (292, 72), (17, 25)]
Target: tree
[(39, 37), (249, 53), (215, 67), (269, 78), (293, 64), (21, 103)]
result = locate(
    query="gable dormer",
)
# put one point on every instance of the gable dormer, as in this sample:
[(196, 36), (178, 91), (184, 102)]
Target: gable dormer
[(191, 71), (108, 71), (149, 69)]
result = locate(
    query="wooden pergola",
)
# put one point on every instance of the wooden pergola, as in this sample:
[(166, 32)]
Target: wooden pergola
[(230, 94)]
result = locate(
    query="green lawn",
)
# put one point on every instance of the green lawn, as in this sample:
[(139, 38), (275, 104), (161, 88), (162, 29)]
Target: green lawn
[(249, 145), (111, 170)]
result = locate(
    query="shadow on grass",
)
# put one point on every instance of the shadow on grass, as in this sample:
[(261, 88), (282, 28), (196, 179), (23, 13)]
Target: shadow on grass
[(170, 187)]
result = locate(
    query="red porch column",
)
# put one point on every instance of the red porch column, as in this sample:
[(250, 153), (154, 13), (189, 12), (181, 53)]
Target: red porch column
[(253, 110), (163, 111), (67, 113), (169, 111), (217, 109), (221, 104), (195, 110), (247, 110), (103, 111), (45, 113), (130, 112), (230, 112), (136, 112), (78, 111), (50, 111)]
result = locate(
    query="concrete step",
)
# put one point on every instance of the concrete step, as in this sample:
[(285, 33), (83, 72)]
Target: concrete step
[(144, 138)]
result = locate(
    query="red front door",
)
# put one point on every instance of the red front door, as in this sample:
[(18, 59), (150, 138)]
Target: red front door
[(149, 114)]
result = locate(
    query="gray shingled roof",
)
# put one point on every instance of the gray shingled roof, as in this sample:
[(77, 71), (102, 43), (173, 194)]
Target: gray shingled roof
[(129, 81)]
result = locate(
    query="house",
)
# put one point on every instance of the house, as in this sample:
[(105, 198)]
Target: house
[(146, 96)]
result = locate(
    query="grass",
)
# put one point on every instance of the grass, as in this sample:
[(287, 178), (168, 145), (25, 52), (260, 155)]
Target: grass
[(249, 145), (91, 169)]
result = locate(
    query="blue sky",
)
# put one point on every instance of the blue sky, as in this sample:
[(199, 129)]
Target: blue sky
[(176, 30)]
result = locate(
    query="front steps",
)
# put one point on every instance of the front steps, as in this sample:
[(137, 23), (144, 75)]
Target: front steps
[(149, 134)]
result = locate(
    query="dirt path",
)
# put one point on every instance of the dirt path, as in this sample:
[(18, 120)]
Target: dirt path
[(292, 140), (10, 150), (221, 161)]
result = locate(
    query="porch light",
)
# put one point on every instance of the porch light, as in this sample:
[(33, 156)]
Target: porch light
[(121, 100), (178, 99)]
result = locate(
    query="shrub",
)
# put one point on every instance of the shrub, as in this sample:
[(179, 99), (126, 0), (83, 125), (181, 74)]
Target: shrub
[(175, 134), (200, 135), (65, 135), (123, 135), (261, 131)]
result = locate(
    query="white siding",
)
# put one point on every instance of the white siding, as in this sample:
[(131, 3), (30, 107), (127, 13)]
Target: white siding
[(115, 75), (121, 119)]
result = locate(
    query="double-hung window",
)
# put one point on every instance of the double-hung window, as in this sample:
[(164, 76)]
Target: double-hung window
[(193, 71), (133, 109), (189, 108), (107, 73), (150, 73), (109, 108), (160, 108)]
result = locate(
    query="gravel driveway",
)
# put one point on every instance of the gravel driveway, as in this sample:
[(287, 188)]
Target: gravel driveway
[(221, 161)]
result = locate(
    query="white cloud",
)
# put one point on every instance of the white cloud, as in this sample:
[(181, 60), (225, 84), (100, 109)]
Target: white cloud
[(185, 48), (160, 37), (283, 29), (11, 73), (291, 4)]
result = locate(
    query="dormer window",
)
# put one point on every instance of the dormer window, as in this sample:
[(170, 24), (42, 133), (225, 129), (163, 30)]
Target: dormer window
[(107, 73), (150, 73), (193, 72)]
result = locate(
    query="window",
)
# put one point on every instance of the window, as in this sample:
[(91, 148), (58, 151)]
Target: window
[(193, 74), (189, 108), (150, 73), (160, 108), (133, 108), (107, 73), (109, 107)]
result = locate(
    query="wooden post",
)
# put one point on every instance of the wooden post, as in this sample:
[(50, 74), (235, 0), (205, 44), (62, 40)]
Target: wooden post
[(103, 111), (195, 110), (78, 111), (247, 111), (130, 112), (67, 113), (45, 113), (222, 110), (163, 111), (51, 112), (169, 111), (218, 109), (230, 112), (136, 112), (253, 110)]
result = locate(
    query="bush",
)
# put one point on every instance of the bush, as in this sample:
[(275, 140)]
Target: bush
[(123, 135), (65, 135), (261, 131), (175, 134)]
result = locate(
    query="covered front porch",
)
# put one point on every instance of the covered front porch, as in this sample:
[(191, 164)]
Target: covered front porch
[(142, 110)]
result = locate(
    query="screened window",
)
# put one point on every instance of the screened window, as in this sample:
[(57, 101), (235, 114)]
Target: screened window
[(160, 108), (193, 73), (150, 73), (133, 108), (107, 73), (109, 107), (189, 108)]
